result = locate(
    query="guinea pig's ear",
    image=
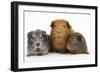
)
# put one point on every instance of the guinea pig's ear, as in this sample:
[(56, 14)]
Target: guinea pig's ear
[(44, 32), (80, 38), (68, 25), (52, 24), (45, 35), (29, 34)]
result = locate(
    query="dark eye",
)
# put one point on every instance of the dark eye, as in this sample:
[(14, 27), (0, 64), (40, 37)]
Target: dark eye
[(54, 26), (32, 38), (64, 26), (42, 37)]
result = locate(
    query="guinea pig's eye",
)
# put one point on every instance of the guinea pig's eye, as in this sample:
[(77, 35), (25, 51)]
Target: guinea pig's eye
[(54, 26), (32, 38), (42, 37), (74, 41), (64, 26)]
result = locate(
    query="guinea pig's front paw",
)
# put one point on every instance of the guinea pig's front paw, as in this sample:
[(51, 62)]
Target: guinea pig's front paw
[(30, 54), (40, 54)]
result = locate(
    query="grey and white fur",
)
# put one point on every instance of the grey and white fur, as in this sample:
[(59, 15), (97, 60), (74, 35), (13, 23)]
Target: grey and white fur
[(37, 43)]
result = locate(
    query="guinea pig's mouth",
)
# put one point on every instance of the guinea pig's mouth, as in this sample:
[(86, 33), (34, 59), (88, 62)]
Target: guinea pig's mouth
[(38, 49), (59, 43)]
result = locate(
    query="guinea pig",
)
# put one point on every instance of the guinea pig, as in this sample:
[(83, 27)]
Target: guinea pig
[(60, 30), (38, 43), (76, 44)]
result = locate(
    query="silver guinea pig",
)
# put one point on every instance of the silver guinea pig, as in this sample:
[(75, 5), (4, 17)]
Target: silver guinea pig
[(76, 44), (37, 43)]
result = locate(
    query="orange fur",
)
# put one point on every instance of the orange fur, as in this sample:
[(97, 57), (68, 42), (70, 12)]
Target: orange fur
[(62, 29)]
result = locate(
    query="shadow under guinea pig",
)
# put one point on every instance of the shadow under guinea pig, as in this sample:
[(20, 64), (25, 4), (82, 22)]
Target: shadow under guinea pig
[(38, 43), (76, 44)]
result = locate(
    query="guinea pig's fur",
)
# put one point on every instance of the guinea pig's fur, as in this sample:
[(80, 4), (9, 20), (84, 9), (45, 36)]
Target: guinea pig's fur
[(38, 43), (60, 30), (76, 43)]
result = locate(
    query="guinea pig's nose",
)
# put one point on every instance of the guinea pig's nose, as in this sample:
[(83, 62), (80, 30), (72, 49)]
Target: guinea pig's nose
[(37, 44), (58, 34)]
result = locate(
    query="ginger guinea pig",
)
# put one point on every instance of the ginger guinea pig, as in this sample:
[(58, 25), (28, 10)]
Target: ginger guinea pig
[(60, 31)]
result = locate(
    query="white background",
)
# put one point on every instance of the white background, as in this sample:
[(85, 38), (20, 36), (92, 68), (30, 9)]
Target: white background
[(5, 35)]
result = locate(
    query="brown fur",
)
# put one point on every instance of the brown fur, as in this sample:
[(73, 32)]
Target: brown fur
[(60, 31)]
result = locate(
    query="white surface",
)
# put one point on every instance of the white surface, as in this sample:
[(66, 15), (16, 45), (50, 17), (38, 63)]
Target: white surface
[(81, 20), (5, 36)]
